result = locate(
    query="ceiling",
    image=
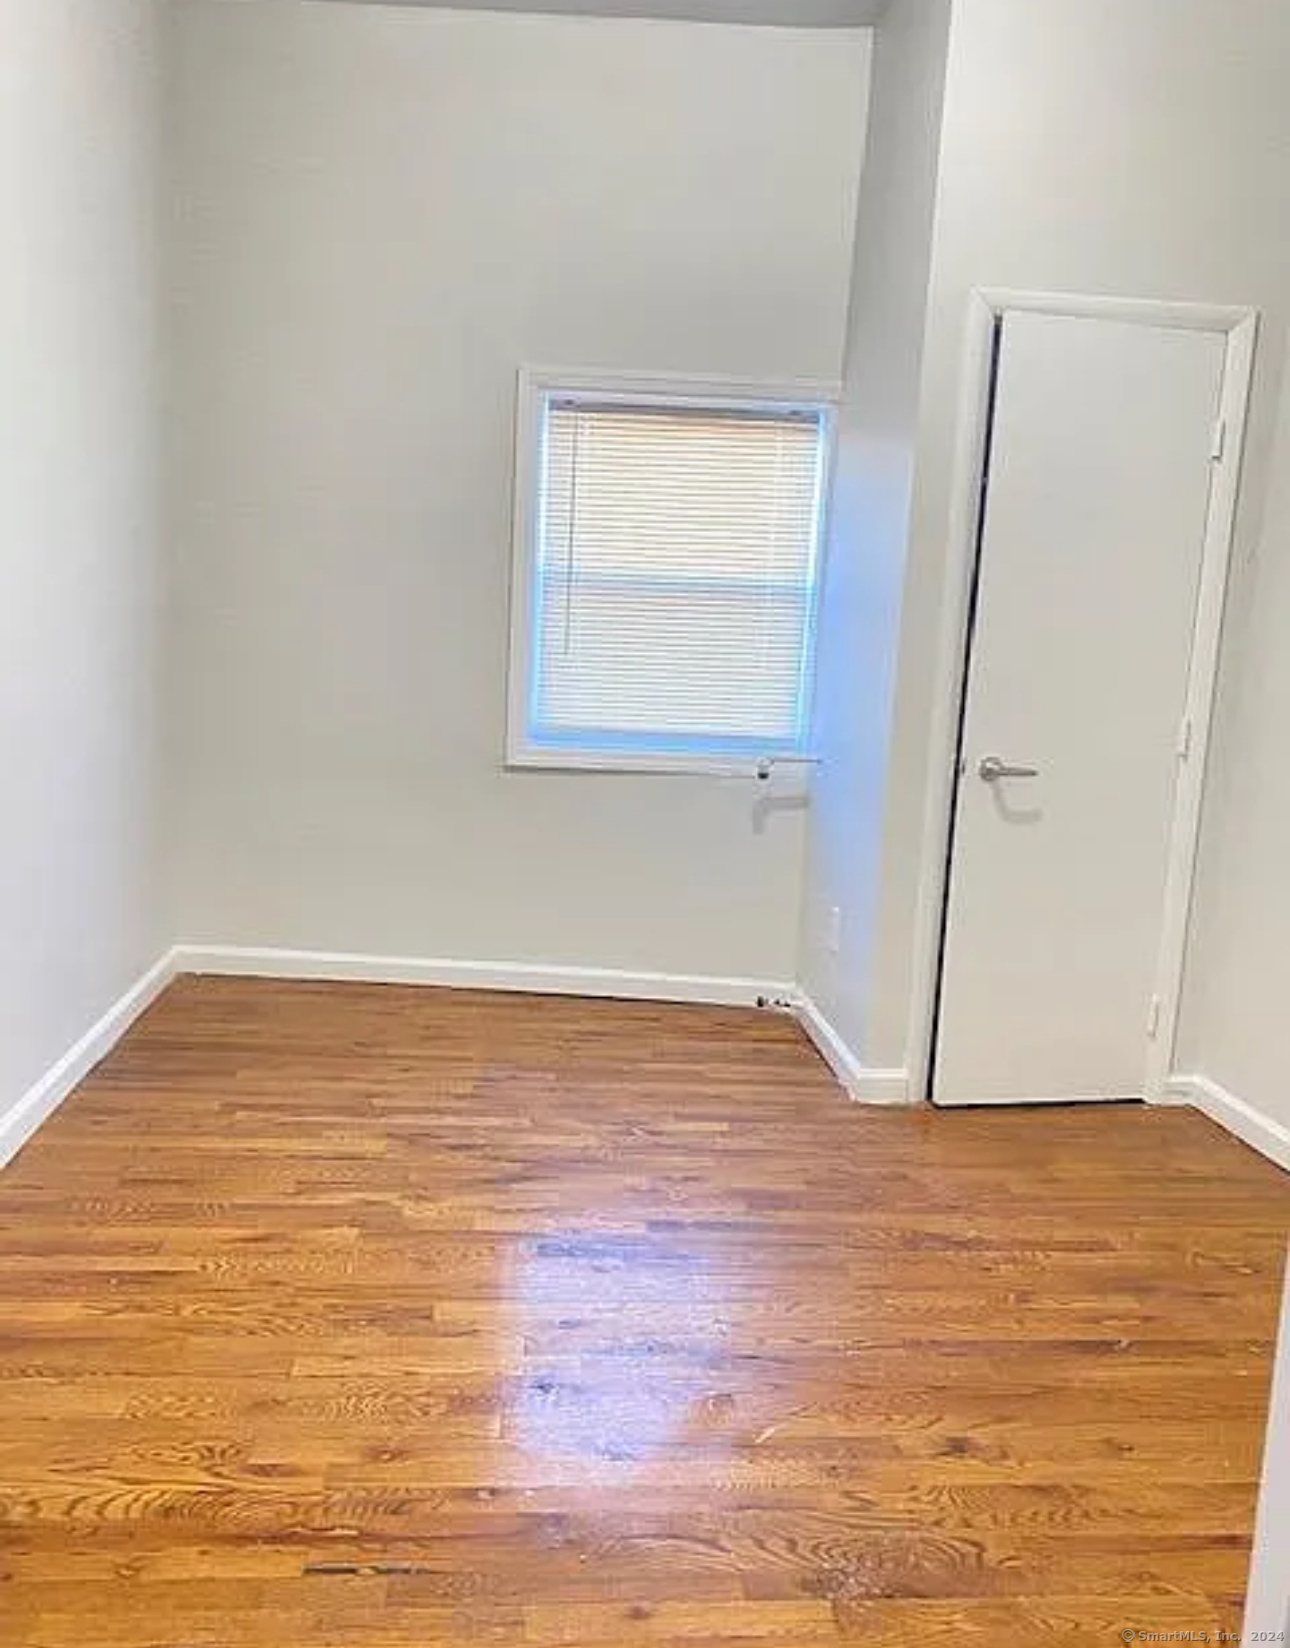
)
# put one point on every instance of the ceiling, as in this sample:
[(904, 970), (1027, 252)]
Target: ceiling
[(802, 13)]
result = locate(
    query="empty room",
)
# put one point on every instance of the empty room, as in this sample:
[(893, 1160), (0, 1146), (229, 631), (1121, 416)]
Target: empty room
[(643, 884)]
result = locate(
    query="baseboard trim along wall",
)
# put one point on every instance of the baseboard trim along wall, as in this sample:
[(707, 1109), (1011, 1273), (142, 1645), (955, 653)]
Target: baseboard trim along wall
[(1270, 1138), (39, 1102), (539, 978), (863, 1084), (889, 1087)]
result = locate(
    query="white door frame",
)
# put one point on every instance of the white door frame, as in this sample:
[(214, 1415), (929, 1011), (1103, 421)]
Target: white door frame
[(986, 306), (1267, 1601)]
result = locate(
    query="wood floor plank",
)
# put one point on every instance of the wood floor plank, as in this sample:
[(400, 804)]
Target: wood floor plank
[(382, 1317)]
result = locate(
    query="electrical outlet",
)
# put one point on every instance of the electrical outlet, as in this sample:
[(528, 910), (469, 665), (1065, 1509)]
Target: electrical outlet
[(833, 930)]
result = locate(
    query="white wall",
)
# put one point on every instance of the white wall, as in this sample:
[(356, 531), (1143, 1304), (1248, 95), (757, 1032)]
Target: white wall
[(1240, 973), (1091, 146), (869, 519), (79, 913), (378, 215), (1267, 1607)]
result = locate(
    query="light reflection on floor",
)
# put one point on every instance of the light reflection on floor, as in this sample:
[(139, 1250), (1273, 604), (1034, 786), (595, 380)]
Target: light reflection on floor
[(598, 1385)]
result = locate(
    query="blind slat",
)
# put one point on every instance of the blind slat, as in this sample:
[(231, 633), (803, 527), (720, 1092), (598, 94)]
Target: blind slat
[(675, 570)]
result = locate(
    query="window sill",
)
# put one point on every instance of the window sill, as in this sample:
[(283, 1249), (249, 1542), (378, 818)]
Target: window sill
[(677, 766)]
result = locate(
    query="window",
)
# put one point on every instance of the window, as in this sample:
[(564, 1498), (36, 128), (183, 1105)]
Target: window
[(665, 575)]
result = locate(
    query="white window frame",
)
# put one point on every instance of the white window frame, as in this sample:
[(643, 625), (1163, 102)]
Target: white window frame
[(636, 389)]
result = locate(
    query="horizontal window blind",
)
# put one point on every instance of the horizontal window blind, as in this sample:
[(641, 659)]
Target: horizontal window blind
[(674, 578)]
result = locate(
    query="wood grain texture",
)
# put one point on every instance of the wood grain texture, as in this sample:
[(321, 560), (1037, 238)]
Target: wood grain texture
[(383, 1318)]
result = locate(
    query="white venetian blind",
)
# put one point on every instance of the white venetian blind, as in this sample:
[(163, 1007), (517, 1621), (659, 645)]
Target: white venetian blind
[(675, 577)]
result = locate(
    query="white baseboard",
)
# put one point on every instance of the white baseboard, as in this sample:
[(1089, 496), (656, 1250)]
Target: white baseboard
[(869, 1086), (864, 1084), (1270, 1138), (539, 978), (40, 1100)]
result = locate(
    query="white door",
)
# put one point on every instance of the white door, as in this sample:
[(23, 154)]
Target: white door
[(1093, 529)]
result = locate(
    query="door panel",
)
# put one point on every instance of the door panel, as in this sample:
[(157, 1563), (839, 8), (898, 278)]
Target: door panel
[(1091, 550)]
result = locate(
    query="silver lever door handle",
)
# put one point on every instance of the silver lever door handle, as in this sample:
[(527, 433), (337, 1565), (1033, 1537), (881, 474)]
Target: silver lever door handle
[(993, 767)]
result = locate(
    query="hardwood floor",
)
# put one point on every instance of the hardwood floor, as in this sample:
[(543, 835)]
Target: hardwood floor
[(364, 1316)]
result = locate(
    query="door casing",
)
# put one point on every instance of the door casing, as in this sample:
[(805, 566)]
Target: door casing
[(986, 308)]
